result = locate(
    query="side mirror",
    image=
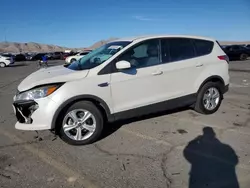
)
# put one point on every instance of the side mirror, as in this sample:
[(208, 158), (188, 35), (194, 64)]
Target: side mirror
[(120, 65)]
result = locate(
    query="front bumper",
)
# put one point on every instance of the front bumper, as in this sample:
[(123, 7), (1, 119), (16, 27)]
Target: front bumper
[(34, 114)]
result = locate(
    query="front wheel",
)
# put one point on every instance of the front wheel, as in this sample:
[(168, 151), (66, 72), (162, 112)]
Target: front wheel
[(81, 124), (2, 64), (209, 98)]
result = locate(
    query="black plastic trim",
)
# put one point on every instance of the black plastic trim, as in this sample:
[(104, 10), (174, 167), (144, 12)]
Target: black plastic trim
[(81, 98), (24, 103), (179, 102), (210, 79), (225, 89)]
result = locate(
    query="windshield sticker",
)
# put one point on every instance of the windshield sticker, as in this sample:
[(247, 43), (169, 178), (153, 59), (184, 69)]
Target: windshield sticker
[(115, 47)]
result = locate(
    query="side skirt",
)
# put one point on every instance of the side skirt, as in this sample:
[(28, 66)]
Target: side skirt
[(187, 100)]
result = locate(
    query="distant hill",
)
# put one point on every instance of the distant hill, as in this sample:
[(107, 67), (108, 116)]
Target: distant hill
[(233, 42), (100, 43), (15, 47)]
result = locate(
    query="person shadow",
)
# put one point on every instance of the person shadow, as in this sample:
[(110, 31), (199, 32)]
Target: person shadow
[(212, 162)]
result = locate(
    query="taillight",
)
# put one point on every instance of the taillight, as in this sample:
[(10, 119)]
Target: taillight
[(224, 57)]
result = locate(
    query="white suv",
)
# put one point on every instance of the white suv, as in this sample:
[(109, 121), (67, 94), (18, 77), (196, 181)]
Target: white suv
[(5, 60), (124, 78)]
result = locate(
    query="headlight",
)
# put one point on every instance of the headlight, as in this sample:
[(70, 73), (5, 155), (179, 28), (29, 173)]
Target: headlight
[(37, 93)]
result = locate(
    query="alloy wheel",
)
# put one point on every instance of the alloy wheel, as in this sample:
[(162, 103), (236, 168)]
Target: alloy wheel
[(211, 98), (79, 124)]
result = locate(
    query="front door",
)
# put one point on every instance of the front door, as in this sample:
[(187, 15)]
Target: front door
[(140, 85)]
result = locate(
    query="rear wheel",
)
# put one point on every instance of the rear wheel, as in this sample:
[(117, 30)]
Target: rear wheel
[(81, 124), (243, 57), (209, 98), (2, 64)]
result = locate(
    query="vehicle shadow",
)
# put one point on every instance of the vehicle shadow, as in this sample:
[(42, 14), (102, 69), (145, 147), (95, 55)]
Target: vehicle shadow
[(111, 128), (212, 162)]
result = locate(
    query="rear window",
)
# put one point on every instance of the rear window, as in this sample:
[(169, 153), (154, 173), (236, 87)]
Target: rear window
[(203, 47), (180, 49)]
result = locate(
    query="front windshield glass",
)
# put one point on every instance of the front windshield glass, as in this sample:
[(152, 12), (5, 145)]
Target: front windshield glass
[(98, 56)]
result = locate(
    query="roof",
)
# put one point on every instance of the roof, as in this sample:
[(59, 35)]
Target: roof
[(145, 37)]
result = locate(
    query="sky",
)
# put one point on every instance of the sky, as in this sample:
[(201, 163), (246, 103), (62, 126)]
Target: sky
[(80, 23)]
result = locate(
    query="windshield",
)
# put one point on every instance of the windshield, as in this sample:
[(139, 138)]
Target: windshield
[(98, 56)]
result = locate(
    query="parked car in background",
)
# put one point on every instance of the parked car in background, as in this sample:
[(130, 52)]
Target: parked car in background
[(57, 55), (247, 45), (37, 56), (76, 57), (65, 55), (6, 60), (19, 57), (237, 52), (147, 75), (49, 55), (28, 56)]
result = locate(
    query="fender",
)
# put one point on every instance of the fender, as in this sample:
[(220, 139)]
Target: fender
[(212, 78), (80, 98)]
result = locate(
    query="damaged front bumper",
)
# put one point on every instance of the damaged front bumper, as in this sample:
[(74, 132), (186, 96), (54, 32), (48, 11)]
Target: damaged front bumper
[(34, 114), (24, 110)]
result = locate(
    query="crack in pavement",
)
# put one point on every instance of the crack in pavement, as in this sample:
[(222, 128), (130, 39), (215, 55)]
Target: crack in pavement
[(164, 157), (122, 154), (166, 175)]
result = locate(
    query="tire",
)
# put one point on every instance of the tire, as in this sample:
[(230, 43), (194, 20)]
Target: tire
[(200, 105), (243, 57), (2, 65), (98, 121), (72, 60)]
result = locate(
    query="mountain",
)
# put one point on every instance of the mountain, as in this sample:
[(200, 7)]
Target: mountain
[(100, 43), (15, 47), (233, 42)]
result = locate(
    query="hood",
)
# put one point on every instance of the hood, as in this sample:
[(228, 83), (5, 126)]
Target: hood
[(51, 75)]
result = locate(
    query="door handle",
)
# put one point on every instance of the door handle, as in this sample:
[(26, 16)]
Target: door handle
[(199, 65), (105, 84), (157, 73)]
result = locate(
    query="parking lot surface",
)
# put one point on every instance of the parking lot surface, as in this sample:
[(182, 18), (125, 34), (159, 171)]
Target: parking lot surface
[(172, 149)]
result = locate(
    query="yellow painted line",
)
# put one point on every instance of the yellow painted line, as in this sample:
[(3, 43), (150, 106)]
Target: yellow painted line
[(62, 168)]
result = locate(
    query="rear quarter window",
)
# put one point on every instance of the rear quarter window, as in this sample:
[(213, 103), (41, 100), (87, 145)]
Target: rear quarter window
[(203, 47)]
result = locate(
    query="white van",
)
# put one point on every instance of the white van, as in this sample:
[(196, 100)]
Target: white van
[(144, 75)]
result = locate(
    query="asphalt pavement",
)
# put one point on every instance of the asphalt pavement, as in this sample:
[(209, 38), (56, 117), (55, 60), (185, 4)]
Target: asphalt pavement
[(175, 149)]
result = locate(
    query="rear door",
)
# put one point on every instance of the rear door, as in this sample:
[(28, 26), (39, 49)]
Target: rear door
[(181, 66)]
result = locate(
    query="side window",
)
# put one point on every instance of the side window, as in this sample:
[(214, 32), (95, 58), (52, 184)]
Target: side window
[(143, 55), (180, 49), (203, 47)]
